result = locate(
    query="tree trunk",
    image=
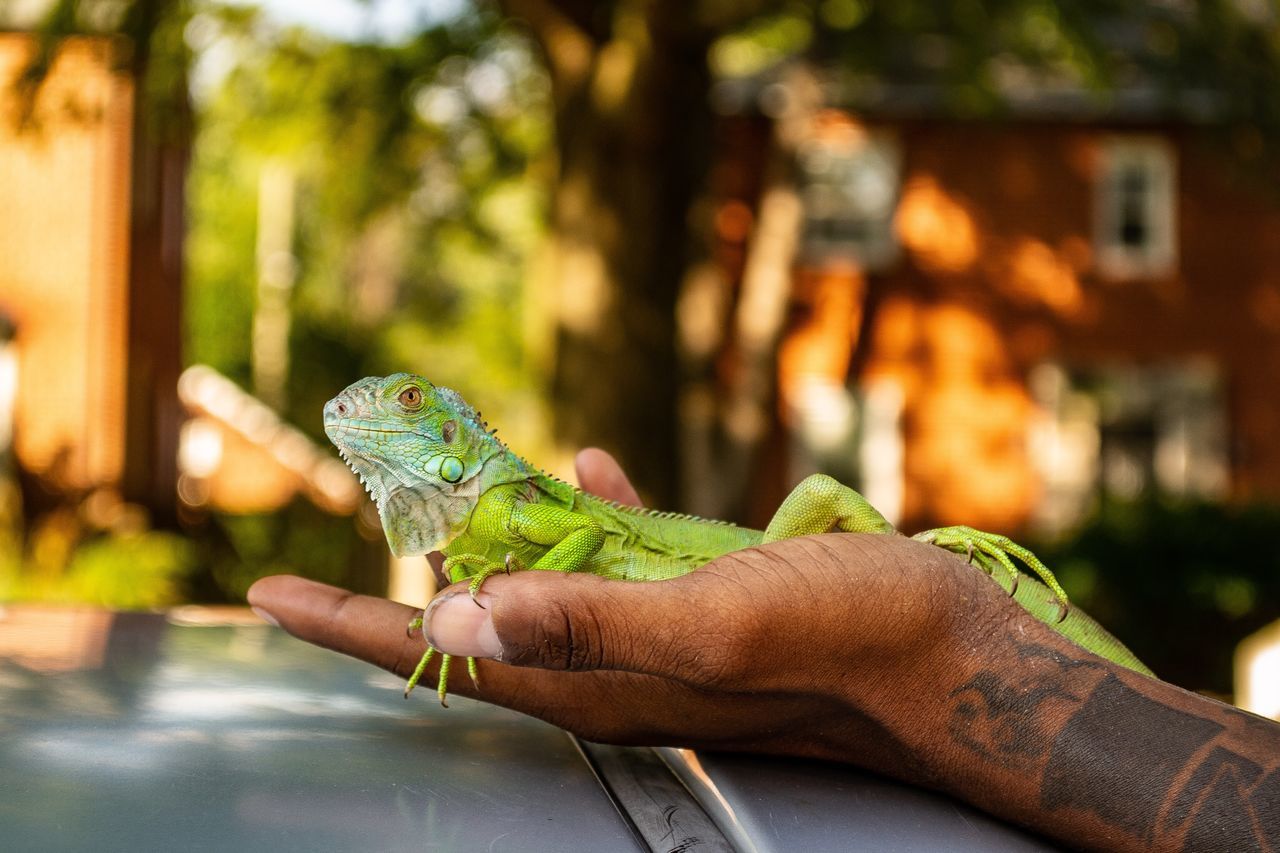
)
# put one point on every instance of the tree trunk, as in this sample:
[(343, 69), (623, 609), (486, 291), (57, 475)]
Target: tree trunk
[(161, 144), (630, 84)]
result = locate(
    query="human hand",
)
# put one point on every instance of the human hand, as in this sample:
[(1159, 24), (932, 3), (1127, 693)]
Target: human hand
[(824, 646)]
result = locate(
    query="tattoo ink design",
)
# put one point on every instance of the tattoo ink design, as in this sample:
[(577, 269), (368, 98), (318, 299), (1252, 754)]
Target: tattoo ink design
[(1121, 741), (1138, 764), (1002, 722), (1227, 794), (1219, 763), (1264, 801), (1165, 760)]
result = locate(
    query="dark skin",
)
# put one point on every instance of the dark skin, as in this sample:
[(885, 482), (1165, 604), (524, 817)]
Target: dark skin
[(870, 650)]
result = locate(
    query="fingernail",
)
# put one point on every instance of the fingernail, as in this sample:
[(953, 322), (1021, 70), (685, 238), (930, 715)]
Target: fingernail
[(454, 625), (265, 616)]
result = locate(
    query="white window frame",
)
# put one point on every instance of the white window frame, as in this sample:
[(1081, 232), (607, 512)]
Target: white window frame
[(1183, 401), (827, 199), (1155, 159)]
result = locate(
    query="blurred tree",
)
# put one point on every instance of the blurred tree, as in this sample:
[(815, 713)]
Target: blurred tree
[(631, 85), (418, 203), (632, 90)]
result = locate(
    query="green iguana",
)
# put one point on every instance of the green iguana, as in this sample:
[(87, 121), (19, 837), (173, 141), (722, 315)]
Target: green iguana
[(443, 481)]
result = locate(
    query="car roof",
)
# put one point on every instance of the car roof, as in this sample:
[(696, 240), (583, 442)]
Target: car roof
[(212, 731)]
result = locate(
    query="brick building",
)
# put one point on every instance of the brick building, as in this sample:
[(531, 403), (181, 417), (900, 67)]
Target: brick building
[(995, 322)]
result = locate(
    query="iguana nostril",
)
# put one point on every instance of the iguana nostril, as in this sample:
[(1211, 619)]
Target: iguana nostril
[(342, 408)]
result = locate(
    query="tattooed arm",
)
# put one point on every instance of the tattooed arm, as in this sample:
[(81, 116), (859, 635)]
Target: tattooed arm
[(1109, 759), (872, 650)]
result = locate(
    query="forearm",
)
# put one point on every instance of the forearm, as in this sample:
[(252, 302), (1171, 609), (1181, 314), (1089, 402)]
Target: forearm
[(1040, 732)]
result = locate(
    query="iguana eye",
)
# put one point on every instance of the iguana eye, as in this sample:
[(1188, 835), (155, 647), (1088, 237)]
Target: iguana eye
[(410, 397)]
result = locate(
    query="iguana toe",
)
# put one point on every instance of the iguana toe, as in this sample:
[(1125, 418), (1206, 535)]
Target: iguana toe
[(511, 563), (992, 546), (442, 687), (418, 670)]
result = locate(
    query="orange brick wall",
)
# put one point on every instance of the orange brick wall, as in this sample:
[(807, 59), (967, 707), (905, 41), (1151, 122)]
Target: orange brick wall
[(997, 275)]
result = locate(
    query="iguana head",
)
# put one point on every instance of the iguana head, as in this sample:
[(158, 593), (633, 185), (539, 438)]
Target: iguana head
[(419, 450)]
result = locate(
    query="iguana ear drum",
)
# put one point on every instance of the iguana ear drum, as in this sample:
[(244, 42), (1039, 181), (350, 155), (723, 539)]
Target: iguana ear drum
[(451, 468), (447, 431)]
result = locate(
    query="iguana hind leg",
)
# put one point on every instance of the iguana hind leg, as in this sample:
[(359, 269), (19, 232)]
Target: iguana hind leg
[(820, 504), (961, 540)]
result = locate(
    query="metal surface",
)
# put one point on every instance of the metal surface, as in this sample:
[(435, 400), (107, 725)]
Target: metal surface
[(660, 809), (763, 805), (127, 732)]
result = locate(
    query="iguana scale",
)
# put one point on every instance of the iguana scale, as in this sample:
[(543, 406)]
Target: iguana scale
[(442, 481)]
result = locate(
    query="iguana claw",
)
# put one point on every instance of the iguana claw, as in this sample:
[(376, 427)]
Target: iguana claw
[(511, 563), (441, 686), (998, 548)]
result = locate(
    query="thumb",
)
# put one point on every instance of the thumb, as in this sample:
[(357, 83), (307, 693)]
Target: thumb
[(579, 622)]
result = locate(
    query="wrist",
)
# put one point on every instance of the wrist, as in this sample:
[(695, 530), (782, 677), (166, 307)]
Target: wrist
[(941, 626), (952, 688)]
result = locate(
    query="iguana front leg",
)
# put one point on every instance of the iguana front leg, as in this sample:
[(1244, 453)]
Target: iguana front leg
[(455, 569), (573, 538)]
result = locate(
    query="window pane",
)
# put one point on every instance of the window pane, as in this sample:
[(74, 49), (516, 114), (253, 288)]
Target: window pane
[(850, 186), (1136, 219)]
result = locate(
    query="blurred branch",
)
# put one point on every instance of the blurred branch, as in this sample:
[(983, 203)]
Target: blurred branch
[(59, 22), (565, 34), (150, 48)]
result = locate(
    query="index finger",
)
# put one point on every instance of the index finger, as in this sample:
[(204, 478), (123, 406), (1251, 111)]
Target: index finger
[(371, 629), (604, 706)]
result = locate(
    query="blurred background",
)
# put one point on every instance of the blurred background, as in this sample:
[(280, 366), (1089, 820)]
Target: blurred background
[(1008, 264)]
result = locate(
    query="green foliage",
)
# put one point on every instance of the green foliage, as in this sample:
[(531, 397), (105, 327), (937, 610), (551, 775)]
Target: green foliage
[(1180, 583), (765, 41), (236, 550), (1217, 59), (128, 571), (418, 203)]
